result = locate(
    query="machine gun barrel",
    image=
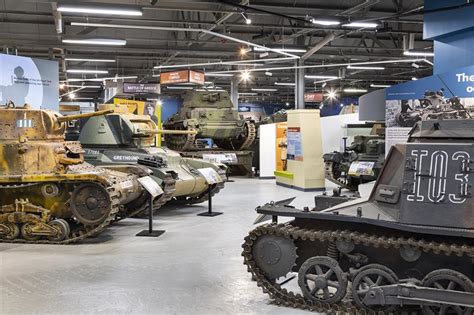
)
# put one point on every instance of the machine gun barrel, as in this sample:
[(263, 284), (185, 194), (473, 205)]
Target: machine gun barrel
[(169, 132), (85, 115)]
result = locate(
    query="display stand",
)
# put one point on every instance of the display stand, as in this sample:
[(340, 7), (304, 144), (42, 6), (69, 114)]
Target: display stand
[(209, 212), (154, 190), (150, 232)]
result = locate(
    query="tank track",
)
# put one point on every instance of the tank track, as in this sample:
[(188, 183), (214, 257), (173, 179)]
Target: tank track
[(282, 296), (168, 191), (83, 232), (188, 145), (329, 175)]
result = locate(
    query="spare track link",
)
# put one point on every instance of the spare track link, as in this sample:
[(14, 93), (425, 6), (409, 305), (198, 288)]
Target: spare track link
[(85, 231), (284, 297), (252, 134)]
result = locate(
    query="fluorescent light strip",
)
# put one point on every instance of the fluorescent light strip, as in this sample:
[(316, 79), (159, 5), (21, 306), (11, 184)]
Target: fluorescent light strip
[(248, 94), (351, 90), (414, 78), (293, 50), (321, 77), (285, 83), (101, 79), (418, 53), (87, 71), (325, 22), (209, 90), (96, 10), (365, 67), (264, 90), (180, 87), (84, 86), (361, 24), (90, 60), (96, 41), (380, 85), (218, 74)]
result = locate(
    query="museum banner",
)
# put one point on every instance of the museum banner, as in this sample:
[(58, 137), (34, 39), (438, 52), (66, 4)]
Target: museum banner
[(449, 94), (29, 80)]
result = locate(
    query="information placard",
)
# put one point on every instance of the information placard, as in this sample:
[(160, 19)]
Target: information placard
[(151, 186), (211, 176), (225, 158), (295, 149)]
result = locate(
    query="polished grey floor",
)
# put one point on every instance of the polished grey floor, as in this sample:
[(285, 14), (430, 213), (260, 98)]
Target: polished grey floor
[(195, 267)]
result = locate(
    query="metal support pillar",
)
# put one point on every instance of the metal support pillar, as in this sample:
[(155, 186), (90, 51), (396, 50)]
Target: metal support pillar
[(234, 91), (299, 86)]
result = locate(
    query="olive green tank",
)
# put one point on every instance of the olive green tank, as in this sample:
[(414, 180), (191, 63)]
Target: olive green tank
[(211, 115), (123, 139), (48, 194)]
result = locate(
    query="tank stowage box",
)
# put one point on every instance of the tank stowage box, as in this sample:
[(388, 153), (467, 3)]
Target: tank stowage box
[(408, 248), (122, 139), (211, 115), (48, 194)]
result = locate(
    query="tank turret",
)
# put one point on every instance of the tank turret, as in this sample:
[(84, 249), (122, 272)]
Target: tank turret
[(122, 139), (48, 194), (211, 115), (407, 248)]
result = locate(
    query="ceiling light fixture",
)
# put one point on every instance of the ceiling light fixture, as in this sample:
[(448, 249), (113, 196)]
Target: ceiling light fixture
[(418, 53), (101, 79), (245, 75), (84, 86), (379, 85), (325, 22), (285, 83), (248, 93), (248, 21), (294, 50), (180, 87), (264, 90), (414, 78), (332, 95), (355, 90), (324, 84), (72, 96), (90, 60), (317, 76), (96, 41), (67, 8), (361, 24), (218, 74), (365, 67), (415, 65), (87, 71), (268, 73)]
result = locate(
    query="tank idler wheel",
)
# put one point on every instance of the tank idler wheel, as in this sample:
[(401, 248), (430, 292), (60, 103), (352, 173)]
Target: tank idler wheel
[(368, 277), (321, 279), (27, 232), (62, 228), (447, 279), (274, 255), (13, 231)]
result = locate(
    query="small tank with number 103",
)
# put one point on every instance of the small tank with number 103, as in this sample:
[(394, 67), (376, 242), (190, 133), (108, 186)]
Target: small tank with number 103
[(407, 248), (48, 194), (122, 138)]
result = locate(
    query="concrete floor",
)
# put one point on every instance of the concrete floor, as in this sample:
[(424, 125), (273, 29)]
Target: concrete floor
[(195, 267)]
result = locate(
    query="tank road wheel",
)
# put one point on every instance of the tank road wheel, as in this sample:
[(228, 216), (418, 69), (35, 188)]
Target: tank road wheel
[(368, 277), (274, 255), (447, 279), (322, 280), (62, 227), (27, 232), (90, 203), (13, 231)]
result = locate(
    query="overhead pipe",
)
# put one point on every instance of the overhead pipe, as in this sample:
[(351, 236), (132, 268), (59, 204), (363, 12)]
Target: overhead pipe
[(230, 63), (182, 29)]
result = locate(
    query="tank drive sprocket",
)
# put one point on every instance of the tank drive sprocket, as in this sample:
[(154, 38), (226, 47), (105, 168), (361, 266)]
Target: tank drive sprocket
[(90, 203)]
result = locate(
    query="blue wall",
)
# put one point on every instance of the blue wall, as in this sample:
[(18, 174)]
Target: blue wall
[(169, 107)]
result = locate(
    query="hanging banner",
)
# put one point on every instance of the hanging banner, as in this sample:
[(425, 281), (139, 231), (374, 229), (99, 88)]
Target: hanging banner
[(29, 80), (182, 76), (448, 95), (295, 148), (313, 97)]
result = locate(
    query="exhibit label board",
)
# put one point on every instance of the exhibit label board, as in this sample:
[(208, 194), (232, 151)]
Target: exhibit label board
[(29, 80), (450, 94), (182, 76)]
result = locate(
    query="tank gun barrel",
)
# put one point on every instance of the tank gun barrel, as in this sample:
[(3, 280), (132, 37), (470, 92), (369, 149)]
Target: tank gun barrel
[(168, 132), (85, 115)]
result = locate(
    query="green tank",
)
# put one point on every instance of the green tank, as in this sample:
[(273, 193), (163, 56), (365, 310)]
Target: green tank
[(211, 115), (122, 139), (48, 194)]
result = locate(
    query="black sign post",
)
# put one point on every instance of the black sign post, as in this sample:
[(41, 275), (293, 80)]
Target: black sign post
[(209, 212), (154, 190)]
